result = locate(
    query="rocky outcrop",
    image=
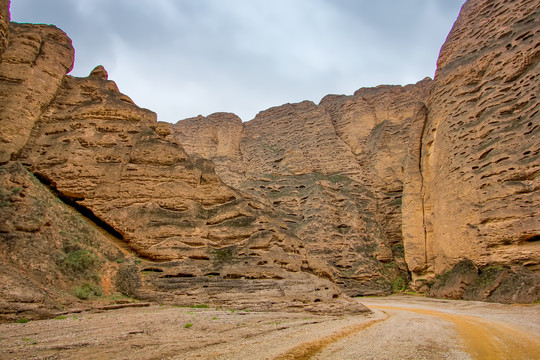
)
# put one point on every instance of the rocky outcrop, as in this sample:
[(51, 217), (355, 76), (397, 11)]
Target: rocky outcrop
[(190, 238), (332, 171), (51, 255), (436, 181), (114, 162), (493, 283), (4, 24), (435, 172), (32, 68), (473, 178), (376, 123), (453, 283)]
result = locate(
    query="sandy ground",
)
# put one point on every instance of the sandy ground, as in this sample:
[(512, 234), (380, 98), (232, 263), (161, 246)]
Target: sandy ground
[(400, 327)]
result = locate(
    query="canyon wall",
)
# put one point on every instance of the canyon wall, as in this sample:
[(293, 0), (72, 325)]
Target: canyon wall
[(114, 161), (433, 184), (180, 234), (435, 172), (332, 171), (473, 174)]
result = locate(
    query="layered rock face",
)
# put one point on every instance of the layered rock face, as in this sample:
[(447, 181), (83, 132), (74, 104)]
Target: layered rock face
[(357, 194), (49, 252), (4, 24), (113, 160), (473, 176), (187, 236), (332, 171), (32, 68), (437, 172)]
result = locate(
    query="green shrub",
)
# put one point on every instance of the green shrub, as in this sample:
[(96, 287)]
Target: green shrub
[(188, 325), (80, 261), (22, 321), (398, 284), (199, 306), (86, 290), (128, 280)]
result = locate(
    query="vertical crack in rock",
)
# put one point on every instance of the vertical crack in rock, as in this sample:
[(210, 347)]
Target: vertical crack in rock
[(422, 113), (414, 227)]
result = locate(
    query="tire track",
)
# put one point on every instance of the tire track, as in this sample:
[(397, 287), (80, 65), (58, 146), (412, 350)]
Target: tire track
[(485, 339), (306, 350)]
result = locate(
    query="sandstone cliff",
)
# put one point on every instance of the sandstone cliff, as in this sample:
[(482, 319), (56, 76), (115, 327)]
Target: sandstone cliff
[(190, 237), (4, 24), (332, 171), (435, 172), (32, 68), (473, 175), (435, 182)]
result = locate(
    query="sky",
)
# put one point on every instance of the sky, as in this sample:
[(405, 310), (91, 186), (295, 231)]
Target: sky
[(184, 58)]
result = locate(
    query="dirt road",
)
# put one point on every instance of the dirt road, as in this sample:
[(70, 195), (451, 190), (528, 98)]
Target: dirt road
[(399, 328), (420, 328)]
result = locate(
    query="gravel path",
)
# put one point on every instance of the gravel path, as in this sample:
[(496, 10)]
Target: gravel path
[(400, 327)]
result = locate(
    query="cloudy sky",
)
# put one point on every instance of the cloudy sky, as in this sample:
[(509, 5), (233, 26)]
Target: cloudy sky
[(182, 58)]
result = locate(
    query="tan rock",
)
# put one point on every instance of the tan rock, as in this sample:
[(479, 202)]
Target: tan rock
[(4, 24), (412, 210), (305, 199), (332, 171), (32, 68), (479, 160), (113, 161)]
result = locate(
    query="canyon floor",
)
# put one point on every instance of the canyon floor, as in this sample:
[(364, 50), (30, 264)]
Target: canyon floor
[(400, 327)]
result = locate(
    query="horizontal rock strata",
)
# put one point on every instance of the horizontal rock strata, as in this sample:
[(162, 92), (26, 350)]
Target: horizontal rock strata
[(434, 182), (32, 68), (332, 171), (114, 162)]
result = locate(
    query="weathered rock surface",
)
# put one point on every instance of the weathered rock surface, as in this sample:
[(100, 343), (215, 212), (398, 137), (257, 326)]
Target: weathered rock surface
[(504, 285), (446, 168), (203, 240), (477, 178), (358, 193), (453, 283), (4, 24), (332, 171), (493, 283), (47, 250), (32, 68)]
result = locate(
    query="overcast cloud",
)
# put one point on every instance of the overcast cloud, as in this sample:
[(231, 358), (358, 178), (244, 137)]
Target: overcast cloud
[(182, 58)]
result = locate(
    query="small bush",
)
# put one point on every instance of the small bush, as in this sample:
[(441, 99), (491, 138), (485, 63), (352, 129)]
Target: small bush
[(398, 284), (199, 306), (22, 321), (188, 325), (80, 261), (85, 291), (128, 280), (61, 317)]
